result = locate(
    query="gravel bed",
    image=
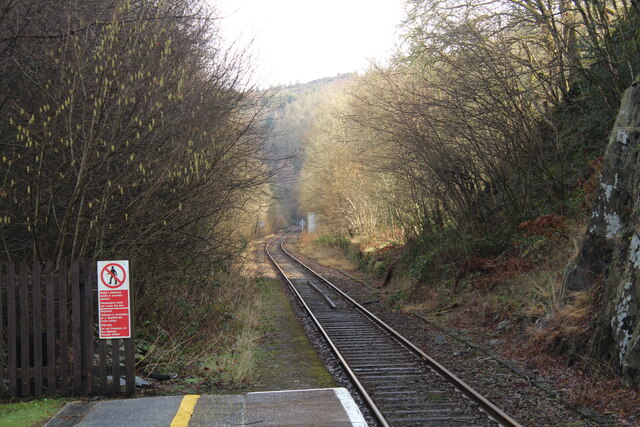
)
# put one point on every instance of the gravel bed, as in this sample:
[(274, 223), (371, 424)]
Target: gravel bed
[(507, 384)]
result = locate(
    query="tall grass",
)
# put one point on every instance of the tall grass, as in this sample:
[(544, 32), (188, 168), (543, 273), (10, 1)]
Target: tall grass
[(205, 322), (236, 364)]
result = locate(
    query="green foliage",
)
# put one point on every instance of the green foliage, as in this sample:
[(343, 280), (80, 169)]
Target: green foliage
[(422, 264), (29, 413), (341, 242), (396, 299), (439, 255), (378, 268), (371, 262)]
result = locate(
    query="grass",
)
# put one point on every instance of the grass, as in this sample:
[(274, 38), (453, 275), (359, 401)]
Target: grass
[(29, 413), (568, 323), (371, 255), (326, 251), (437, 397), (237, 363), (211, 338)]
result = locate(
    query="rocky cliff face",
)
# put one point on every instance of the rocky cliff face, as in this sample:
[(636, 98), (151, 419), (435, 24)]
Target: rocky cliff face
[(610, 250)]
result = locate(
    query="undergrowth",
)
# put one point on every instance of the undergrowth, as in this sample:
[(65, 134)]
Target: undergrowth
[(207, 329), (520, 281), (328, 250), (564, 327), (369, 254)]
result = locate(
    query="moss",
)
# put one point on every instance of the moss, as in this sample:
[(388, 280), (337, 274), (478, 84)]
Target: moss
[(286, 359), (437, 397)]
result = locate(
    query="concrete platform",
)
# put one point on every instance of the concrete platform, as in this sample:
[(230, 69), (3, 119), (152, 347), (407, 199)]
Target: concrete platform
[(317, 407)]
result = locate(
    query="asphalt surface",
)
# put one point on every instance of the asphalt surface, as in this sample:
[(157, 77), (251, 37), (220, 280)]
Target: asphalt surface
[(318, 407)]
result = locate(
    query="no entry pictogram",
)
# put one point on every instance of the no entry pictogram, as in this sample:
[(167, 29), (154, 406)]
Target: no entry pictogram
[(113, 275), (114, 305)]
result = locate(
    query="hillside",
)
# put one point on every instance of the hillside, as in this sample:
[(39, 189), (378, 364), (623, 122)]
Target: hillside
[(291, 112)]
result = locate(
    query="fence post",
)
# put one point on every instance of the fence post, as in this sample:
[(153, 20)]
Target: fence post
[(87, 323), (64, 328), (3, 281), (102, 367), (50, 329), (25, 378), (115, 358), (129, 345), (12, 332), (37, 328), (76, 329)]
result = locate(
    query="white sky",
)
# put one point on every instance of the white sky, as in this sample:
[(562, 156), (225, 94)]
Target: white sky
[(303, 40)]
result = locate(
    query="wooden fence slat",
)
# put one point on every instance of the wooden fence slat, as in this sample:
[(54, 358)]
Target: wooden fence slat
[(63, 328), (115, 373), (37, 328), (83, 329), (50, 329), (12, 332), (25, 378), (76, 327), (87, 321), (3, 281), (102, 366), (130, 365)]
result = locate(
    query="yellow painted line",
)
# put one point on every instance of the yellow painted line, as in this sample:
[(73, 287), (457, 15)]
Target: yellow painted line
[(185, 410)]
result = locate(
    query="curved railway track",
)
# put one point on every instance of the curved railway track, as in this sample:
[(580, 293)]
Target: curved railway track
[(400, 384)]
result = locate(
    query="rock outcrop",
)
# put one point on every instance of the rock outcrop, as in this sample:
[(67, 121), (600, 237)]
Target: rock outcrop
[(610, 250)]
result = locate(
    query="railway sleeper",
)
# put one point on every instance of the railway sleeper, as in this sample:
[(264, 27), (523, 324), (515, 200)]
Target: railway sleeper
[(389, 369), (420, 411), (389, 377), (422, 405), (432, 419), (382, 365)]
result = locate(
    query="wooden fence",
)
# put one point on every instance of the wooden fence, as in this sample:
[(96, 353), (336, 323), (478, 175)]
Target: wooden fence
[(48, 326)]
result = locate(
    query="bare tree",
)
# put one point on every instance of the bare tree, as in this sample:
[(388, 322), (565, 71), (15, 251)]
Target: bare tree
[(127, 129)]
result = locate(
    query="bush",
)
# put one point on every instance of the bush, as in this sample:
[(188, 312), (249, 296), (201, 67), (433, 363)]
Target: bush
[(339, 242), (196, 320)]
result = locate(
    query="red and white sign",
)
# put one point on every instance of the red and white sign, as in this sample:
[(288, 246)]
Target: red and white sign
[(114, 305)]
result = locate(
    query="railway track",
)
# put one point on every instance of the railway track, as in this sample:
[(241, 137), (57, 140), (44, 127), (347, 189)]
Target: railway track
[(400, 384)]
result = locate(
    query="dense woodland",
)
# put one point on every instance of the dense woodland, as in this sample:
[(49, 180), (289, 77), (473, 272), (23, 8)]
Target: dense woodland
[(490, 114), (130, 130), (479, 146)]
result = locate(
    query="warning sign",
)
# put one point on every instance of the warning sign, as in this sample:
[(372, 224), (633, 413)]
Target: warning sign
[(114, 307), (113, 275)]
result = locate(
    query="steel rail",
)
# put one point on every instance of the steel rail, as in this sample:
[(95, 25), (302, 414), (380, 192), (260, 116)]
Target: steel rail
[(363, 392), (486, 405)]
